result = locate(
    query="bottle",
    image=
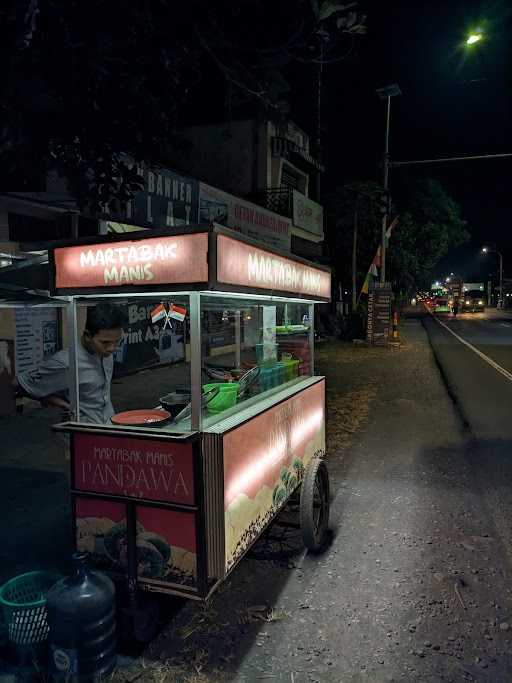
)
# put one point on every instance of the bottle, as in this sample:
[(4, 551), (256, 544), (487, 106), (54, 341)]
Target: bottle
[(82, 625)]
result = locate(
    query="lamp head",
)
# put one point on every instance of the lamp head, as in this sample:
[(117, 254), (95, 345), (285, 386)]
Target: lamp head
[(474, 37)]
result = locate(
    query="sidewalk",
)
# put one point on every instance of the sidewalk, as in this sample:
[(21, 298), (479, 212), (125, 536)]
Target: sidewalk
[(413, 586)]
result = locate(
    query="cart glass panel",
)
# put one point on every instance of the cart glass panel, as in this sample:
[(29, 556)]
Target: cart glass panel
[(251, 349), (135, 357)]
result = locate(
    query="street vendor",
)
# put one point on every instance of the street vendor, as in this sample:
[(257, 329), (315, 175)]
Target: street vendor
[(50, 381)]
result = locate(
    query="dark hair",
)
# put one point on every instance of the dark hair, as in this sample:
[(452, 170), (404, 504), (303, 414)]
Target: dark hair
[(104, 317)]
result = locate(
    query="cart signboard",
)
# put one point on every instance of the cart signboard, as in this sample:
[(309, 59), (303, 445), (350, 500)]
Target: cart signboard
[(142, 262), (165, 540), (136, 468), (379, 316), (244, 265), (264, 459)]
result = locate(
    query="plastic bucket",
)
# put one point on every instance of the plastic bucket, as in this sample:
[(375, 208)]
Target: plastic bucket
[(226, 398), (259, 354), (281, 373), (291, 369), (23, 602), (266, 379)]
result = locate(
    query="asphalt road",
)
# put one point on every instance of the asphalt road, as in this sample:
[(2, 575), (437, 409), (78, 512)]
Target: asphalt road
[(482, 393)]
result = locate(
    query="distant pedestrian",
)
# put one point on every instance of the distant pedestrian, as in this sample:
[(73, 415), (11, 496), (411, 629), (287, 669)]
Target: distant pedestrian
[(455, 307)]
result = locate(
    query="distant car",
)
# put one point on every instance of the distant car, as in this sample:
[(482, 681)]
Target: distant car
[(441, 304), (473, 301)]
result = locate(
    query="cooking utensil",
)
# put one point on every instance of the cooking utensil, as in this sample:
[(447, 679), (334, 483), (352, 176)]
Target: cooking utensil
[(217, 374), (206, 397), (247, 380), (175, 402), (141, 418)]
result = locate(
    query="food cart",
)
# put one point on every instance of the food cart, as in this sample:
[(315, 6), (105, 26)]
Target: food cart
[(170, 501)]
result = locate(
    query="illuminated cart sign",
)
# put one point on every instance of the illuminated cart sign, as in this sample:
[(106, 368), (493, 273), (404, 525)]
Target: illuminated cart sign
[(142, 263), (208, 258), (244, 265)]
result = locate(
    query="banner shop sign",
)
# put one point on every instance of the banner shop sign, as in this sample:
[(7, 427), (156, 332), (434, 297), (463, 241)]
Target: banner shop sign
[(167, 200)]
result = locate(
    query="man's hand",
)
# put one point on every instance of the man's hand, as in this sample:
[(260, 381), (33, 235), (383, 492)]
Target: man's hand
[(67, 414)]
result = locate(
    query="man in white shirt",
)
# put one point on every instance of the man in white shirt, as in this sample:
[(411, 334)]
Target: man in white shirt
[(50, 381)]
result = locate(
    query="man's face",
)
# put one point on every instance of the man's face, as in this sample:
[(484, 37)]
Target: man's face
[(104, 342)]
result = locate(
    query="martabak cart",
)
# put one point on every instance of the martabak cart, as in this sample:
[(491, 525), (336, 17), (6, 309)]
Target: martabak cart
[(171, 508)]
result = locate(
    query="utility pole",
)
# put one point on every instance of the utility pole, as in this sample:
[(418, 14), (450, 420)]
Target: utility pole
[(386, 94), (386, 188), (500, 302), (354, 256)]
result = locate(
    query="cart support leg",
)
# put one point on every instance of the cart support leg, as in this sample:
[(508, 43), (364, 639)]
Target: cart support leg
[(131, 532)]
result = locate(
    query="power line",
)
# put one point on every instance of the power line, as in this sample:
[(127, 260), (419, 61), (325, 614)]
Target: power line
[(395, 164)]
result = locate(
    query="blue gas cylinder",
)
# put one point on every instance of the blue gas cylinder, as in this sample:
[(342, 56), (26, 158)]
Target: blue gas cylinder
[(82, 625)]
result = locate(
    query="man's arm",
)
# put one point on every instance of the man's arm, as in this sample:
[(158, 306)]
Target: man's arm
[(48, 382), (50, 400)]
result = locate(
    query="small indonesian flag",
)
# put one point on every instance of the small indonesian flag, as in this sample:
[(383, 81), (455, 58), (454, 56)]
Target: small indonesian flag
[(177, 312), (158, 313)]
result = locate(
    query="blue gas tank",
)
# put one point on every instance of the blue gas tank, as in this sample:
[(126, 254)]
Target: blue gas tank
[(82, 622)]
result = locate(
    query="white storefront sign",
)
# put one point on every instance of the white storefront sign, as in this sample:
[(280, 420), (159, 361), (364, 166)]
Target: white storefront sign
[(249, 219), (308, 215)]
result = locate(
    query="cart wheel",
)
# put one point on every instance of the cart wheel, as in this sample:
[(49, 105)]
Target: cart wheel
[(314, 506)]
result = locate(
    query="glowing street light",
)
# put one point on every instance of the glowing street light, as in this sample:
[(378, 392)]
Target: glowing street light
[(474, 38)]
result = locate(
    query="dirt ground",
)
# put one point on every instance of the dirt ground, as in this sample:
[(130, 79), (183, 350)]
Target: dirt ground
[(414, 585)]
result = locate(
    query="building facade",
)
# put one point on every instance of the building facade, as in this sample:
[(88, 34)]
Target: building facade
[(266, 163)]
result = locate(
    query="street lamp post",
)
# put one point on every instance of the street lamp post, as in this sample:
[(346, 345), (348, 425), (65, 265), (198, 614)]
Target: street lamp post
[(486, 250), (386, 94)]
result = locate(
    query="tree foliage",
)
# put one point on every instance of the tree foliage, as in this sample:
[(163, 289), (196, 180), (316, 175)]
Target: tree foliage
[(86, 81), (429, 226), (354, 202)]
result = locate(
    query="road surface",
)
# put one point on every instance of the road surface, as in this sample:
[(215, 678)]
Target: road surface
[(477, 371), (474, 354)]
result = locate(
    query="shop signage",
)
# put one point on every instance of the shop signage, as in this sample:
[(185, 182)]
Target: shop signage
[(379, 316), (238, 214), (36, 336), (168, 199), (136, 468), (264, 461), (308, 215), (241, 264), (152, 261)]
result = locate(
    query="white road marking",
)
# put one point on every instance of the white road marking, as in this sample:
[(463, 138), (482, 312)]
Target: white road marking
[(505, 324), (488, 360)]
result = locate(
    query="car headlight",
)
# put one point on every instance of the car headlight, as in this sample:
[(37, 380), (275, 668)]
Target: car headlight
[(480, 303), (467, 303)]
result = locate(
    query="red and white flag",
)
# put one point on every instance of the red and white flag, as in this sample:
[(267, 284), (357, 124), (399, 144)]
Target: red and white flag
[(158, 313), (177, 312)]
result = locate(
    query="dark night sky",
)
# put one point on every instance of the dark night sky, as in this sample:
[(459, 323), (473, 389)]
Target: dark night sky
[(455, 102)]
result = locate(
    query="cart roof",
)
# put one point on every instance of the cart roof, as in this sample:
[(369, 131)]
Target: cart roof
[(202, 257)]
